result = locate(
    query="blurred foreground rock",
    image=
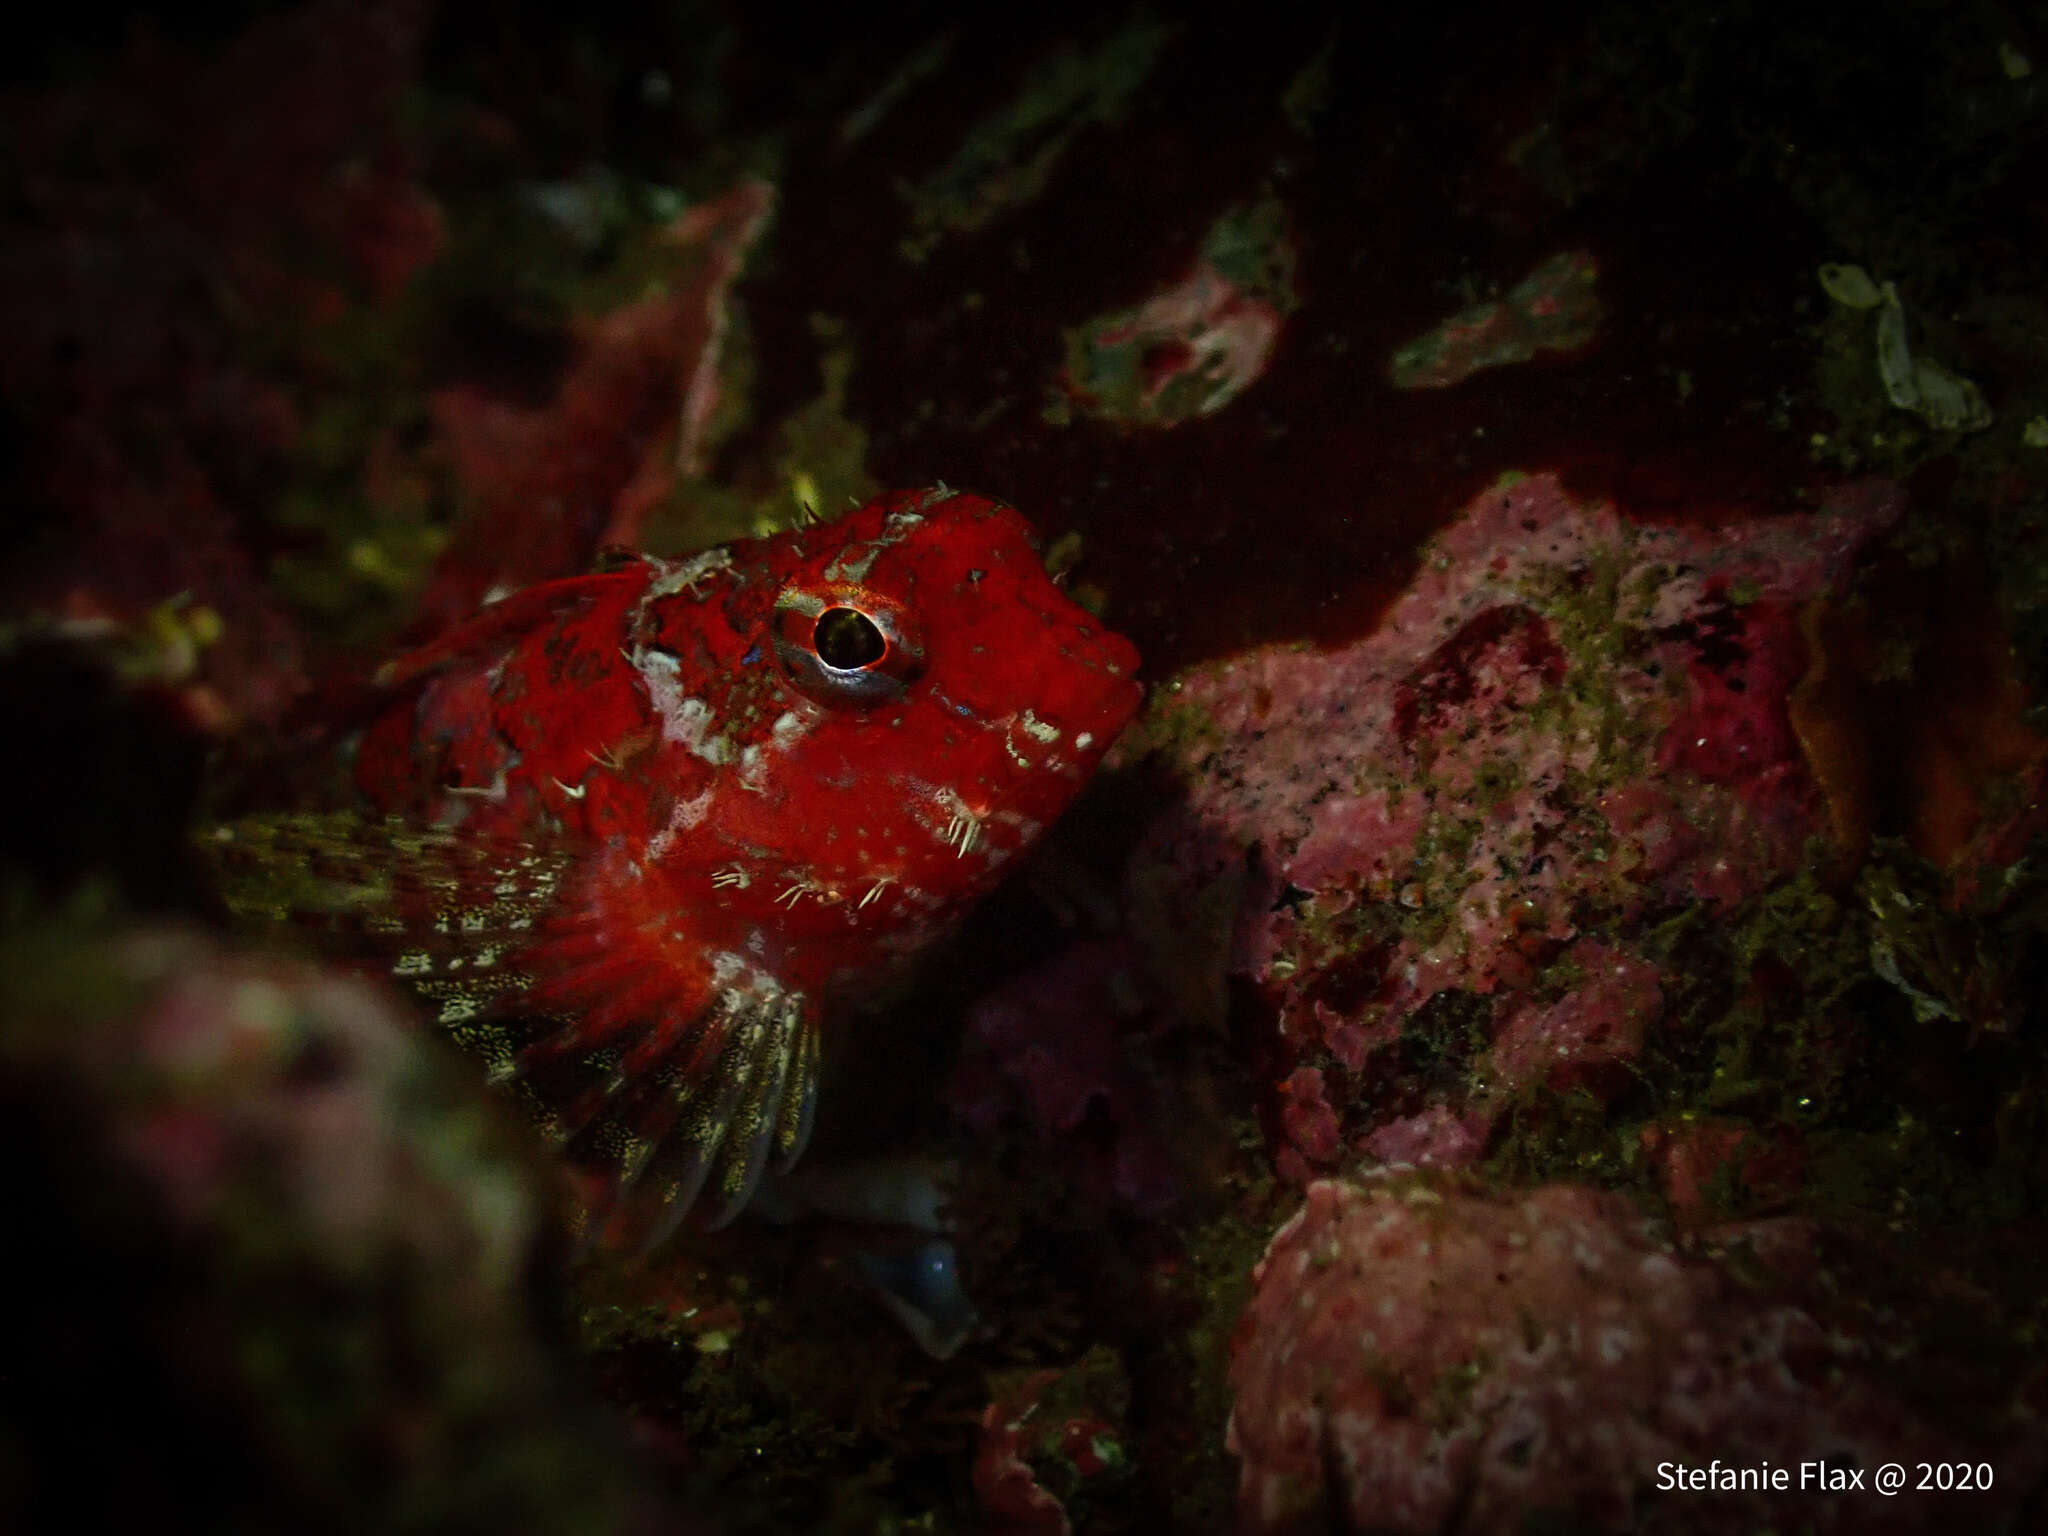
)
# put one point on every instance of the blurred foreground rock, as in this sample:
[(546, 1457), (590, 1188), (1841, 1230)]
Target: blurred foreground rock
[(288, 1268), (1421, 1356)]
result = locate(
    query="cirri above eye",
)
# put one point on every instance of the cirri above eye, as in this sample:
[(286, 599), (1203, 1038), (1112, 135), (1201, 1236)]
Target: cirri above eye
[(845, 650)]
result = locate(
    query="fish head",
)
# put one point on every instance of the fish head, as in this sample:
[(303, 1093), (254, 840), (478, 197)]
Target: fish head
[(913, 701)]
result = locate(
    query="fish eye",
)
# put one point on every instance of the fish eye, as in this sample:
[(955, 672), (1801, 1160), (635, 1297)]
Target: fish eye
[(847, 640), (845, 650)]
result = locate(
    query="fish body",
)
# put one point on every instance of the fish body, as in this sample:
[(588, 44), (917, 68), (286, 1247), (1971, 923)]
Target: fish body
[(675, 810)]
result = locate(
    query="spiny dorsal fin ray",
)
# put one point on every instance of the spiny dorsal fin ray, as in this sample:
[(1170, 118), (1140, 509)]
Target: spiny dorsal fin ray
[(446, 910), (496, 624), (389, 883)]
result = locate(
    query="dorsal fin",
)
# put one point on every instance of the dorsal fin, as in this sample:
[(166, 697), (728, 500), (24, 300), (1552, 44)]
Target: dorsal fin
[(496, 623), (393, 881)]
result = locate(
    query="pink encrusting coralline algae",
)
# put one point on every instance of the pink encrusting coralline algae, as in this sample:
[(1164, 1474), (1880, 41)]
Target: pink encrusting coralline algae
[(1419, 1356), (1569, 726)]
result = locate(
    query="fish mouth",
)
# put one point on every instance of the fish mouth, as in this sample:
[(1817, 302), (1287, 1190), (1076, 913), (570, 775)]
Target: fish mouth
[(1102, 663), (1086, 704), (1107, 692), (1104, 716)]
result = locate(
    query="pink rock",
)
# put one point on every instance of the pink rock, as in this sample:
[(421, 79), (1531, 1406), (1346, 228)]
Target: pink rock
[(1007, 1488), (1705, 1164), (1420, 1357), (1057, 1037), (1574, 1042), (1569, 726), (1435, 1138), (1053, 1031), (1310, 1122), (1734, 726), (1051, 1443)]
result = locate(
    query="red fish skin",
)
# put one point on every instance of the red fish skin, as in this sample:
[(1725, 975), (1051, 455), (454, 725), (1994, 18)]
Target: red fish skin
[(742, 817)]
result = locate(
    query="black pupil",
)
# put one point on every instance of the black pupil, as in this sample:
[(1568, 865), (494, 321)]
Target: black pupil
[(847, 639)]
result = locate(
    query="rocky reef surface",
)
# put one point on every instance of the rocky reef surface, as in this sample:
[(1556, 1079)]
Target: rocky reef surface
[(1549, 989), (1424, 1356)]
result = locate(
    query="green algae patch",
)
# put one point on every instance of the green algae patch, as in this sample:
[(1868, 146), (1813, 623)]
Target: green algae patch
[(1556, 308), (1309, 89), (366, 509), (801, 1405), (1009, 157), (818, 462), (1206, 1295), (1811, 1055), (1179, 730), (822, 450)]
